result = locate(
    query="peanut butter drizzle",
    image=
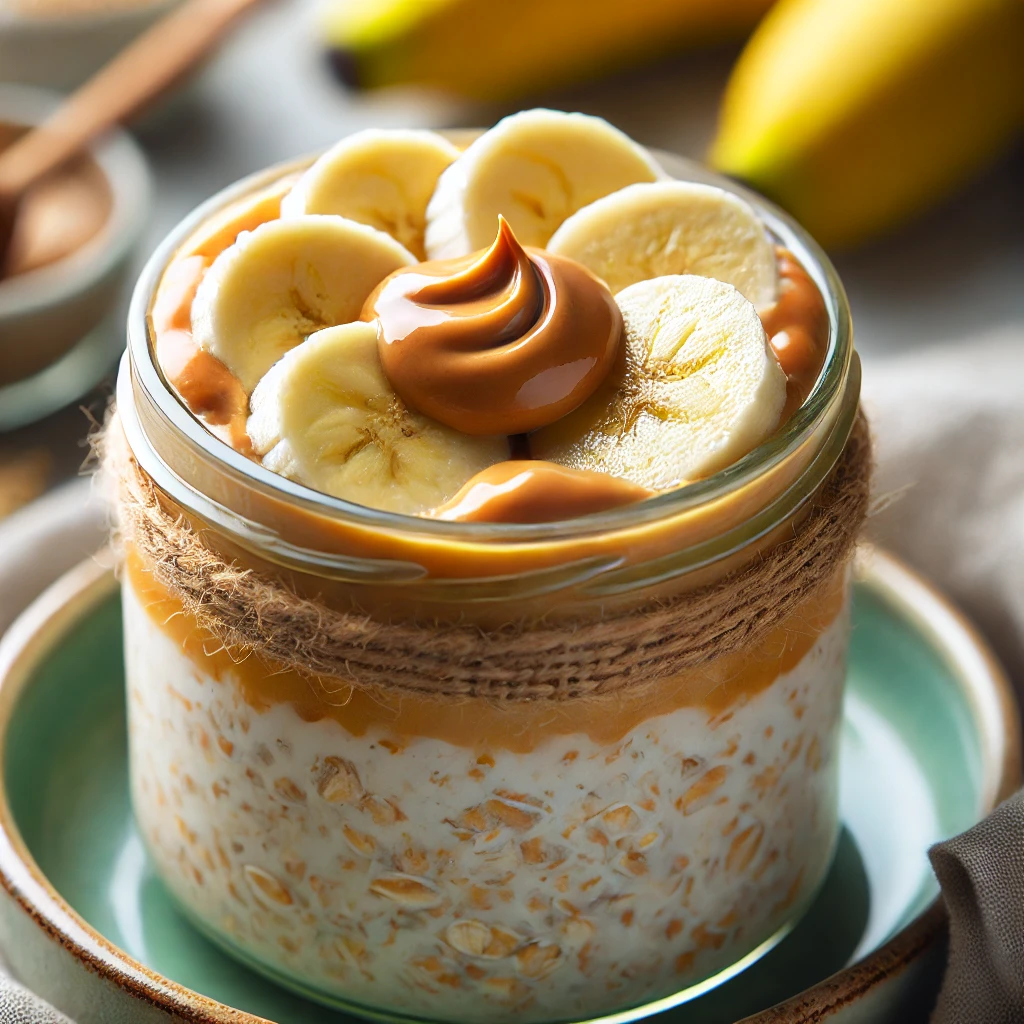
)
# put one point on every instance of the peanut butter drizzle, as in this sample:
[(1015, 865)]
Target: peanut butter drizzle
[(535, 491), (209, 389), (206, 385), (797, 327), (498, 342), (519, 727)]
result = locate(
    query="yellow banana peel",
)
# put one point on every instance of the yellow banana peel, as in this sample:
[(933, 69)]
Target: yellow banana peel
[(856, 114), (486, 49)]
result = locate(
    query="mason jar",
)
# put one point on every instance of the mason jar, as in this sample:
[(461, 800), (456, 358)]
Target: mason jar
[(538, 851)]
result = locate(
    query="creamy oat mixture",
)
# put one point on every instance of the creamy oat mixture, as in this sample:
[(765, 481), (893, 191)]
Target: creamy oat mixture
[(571, 880)]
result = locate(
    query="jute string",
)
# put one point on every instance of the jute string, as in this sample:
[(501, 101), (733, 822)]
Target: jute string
[(253, 613)]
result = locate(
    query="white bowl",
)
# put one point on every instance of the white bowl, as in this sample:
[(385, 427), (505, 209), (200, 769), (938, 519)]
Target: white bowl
[(48, 313)]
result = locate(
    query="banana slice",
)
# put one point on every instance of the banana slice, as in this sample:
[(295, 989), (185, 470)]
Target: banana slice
[(672, 227), (326, 416), (383, 178), (699, 389), (281, 282), (535, 168)]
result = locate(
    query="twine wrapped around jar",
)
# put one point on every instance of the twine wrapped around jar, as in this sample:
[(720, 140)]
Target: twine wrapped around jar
[(250, 612)]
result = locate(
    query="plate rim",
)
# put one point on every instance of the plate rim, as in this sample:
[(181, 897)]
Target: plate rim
[(954, 638)]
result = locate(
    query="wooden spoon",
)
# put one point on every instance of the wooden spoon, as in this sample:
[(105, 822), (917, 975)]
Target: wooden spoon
[(140, 74)]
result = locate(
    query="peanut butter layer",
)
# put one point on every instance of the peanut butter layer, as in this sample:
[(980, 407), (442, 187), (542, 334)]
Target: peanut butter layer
[(716, 687)]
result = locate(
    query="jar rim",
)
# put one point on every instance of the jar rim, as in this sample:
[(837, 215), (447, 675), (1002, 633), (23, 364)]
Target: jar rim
[(140, 369)]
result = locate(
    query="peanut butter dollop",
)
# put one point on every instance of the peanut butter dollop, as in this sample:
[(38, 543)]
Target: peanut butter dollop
[(534, 491), (499, 342)]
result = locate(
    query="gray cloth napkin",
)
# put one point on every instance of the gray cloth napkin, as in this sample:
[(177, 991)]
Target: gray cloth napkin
[(982, 877), (949, 436)]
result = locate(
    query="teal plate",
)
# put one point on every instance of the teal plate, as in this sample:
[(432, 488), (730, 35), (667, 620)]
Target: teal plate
[(930, 743)]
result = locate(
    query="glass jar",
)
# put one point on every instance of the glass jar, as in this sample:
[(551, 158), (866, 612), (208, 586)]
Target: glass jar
[(467, 859)]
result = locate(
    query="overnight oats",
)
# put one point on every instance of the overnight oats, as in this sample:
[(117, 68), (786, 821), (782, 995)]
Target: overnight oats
[(487, 515)]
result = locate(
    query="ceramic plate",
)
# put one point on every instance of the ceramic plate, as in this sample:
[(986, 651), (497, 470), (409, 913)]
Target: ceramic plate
[(930, 743)]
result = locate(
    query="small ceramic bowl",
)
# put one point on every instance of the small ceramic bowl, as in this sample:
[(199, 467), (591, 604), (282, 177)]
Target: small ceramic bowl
[(60, 46), (57, 313)]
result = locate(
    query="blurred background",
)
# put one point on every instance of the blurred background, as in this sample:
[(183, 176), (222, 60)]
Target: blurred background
[(891, 130)]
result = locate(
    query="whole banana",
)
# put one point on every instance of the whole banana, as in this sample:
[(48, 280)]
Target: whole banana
[(855, 114), (486, 49)]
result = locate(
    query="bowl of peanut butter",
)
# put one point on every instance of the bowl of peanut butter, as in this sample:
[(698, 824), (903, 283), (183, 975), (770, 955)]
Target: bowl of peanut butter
[(72, 247)]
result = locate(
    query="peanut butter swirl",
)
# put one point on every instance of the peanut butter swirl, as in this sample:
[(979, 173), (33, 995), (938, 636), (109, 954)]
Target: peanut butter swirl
[(499, 342)]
